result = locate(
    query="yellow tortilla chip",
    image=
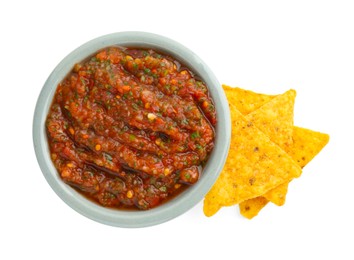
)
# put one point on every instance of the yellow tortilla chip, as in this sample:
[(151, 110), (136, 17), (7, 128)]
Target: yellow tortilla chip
[(251, 208), (246, 101), (278, 194), (254, 166), (306, 145), (270, 113), (275, 119)]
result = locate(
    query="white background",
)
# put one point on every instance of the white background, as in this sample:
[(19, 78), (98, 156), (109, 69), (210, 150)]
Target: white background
[(265, 46)]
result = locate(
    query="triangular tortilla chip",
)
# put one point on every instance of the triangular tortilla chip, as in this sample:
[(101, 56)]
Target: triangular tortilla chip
[(246, 101), (278, 194), (306, 145), (251, 208), (254, 166), (275, 119)]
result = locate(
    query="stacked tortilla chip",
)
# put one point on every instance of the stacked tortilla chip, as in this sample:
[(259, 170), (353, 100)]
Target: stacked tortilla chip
[(267, 151)]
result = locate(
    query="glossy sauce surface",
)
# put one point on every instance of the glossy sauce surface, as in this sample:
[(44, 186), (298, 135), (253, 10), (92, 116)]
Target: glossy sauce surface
[(130, 128)]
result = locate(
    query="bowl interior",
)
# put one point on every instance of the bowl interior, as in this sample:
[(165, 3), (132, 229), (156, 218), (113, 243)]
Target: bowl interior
[(172, 208)]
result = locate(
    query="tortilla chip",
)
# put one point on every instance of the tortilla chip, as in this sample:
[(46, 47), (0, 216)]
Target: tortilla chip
[(246, 101), (278, 194), (251, 208), (275, 119), (254, 166), (306, 145)]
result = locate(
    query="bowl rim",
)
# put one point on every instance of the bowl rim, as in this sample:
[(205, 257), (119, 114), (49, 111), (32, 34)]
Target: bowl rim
[(174, 207)]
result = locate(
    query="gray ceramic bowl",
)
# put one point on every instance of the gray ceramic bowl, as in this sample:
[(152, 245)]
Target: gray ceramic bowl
[(172, 208)]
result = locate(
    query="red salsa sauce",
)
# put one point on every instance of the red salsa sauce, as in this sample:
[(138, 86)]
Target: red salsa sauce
[(130, 128)]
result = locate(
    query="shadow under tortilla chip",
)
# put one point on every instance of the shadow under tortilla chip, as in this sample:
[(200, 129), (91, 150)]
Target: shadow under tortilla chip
[(254, 166)]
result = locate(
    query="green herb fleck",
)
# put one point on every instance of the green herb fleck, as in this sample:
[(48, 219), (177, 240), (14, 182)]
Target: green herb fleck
[(83, 81), (199, 147), (163, 189), (108, 157), (184, 121), (195, 135), (135, 106)]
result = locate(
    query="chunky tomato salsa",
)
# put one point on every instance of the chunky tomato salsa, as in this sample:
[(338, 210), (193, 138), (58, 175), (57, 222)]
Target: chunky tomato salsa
[(130, 128)]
